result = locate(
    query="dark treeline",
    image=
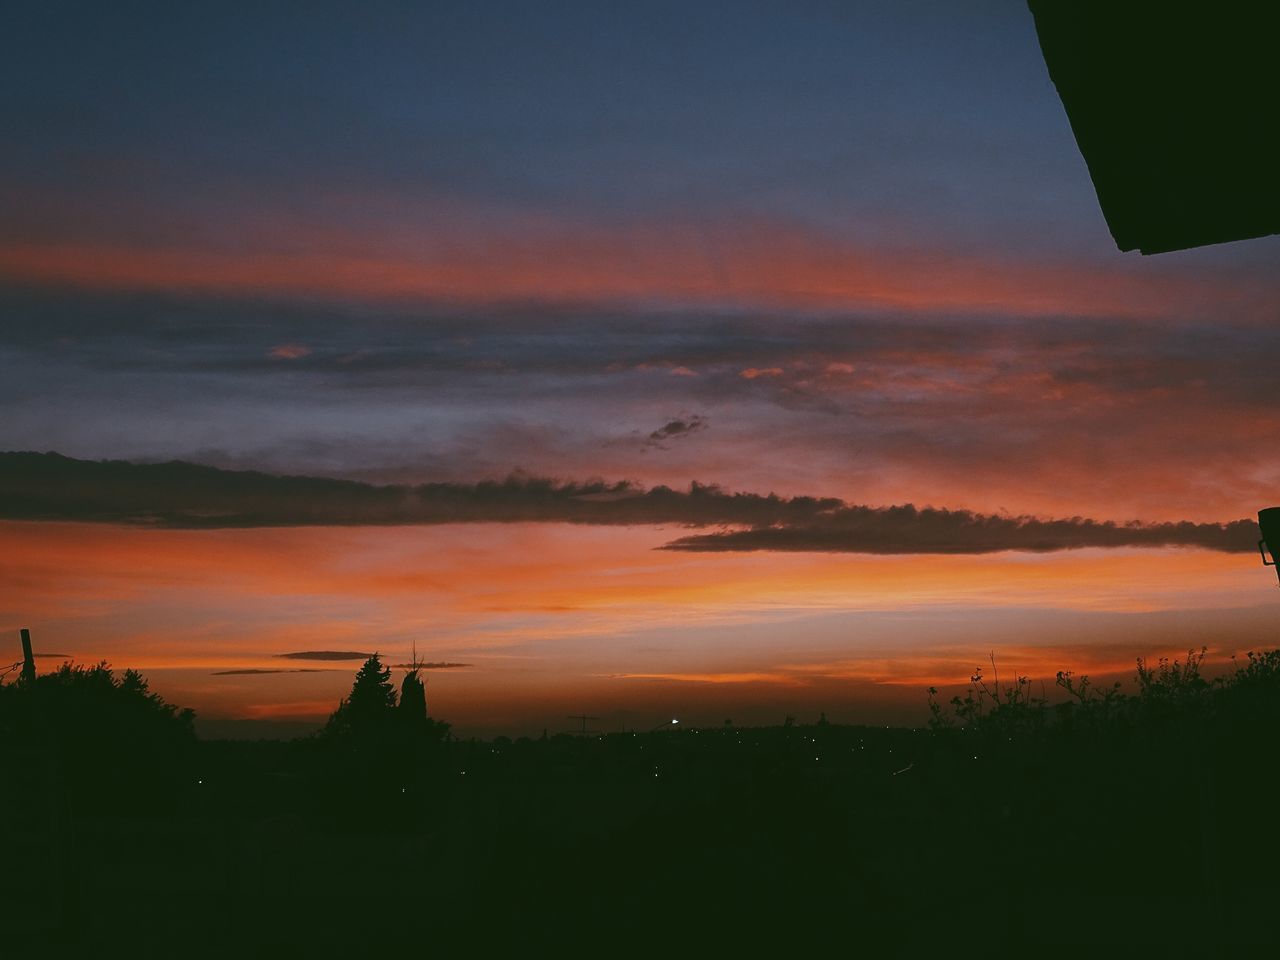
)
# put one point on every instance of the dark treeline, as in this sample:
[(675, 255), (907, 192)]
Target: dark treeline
[(1137, 818)]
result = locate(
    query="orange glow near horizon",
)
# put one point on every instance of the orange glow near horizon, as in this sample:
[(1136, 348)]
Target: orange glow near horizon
[(559, 614)]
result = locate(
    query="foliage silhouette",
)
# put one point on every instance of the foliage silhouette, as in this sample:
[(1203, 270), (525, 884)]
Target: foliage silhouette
[(416, 726), (1172, 680), (1010, 710), (368, 711), (109, 738), (413, 697), (1172, 689)]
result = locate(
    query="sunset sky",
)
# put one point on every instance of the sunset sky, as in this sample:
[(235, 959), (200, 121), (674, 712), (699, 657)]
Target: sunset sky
[(834, 250)]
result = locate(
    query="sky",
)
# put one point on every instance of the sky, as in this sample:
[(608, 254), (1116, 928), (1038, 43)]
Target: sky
[(845, 251)]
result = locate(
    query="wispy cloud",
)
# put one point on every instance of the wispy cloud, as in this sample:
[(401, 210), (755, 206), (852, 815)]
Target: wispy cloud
[(325, 655), (678, 429), (1163, 419), (429, 665), (773, 677), (760, 265), (250, 671)]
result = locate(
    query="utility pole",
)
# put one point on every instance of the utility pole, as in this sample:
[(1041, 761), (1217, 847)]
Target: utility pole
[(584, 720), (28, 658)]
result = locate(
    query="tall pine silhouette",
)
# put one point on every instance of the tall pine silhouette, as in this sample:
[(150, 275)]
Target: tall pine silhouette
[(368, 711)]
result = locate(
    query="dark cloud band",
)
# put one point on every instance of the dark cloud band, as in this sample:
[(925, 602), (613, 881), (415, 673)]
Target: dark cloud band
[(905, 529), (183, 495)]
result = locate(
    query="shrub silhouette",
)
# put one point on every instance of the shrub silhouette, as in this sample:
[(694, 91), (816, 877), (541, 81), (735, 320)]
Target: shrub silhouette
[(1172, 692), (1008, 711), (108, 737), (1256, 682), (1172, 681)]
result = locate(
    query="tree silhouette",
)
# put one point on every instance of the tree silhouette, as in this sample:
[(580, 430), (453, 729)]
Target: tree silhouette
[(419, 730), (80, 703), (109, 737), (413, 699), (370, 707)]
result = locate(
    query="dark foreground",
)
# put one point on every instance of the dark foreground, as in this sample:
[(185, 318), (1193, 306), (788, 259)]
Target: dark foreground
[(1140, 822)]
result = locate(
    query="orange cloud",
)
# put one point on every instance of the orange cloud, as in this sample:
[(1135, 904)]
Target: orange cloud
[(753, 264), (749, 677), (289, 351)]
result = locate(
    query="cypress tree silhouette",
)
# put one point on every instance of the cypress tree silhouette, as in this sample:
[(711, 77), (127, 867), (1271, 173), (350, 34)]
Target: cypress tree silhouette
[(413, 699), (419, 729)]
